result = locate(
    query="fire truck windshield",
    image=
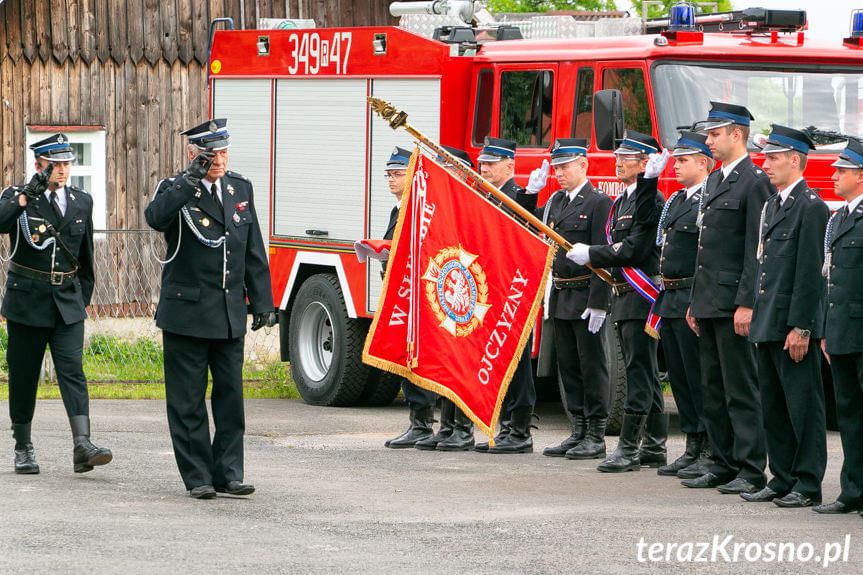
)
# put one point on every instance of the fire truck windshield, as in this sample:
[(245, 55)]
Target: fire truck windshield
[(824, 102)]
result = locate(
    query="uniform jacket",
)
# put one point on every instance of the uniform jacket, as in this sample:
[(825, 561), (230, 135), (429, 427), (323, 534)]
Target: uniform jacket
[(193, 301), (789, 291), (844, 328), (35, 302), (580, 221), (633, 245), (678, 252), (725, 267), (517, 193)]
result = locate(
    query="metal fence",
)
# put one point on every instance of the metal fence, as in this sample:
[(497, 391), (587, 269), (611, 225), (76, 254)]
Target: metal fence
[(122, 342)]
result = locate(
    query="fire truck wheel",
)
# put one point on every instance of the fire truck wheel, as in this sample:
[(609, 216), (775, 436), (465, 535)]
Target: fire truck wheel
[(382, 387), (616, 380), (326, 345)]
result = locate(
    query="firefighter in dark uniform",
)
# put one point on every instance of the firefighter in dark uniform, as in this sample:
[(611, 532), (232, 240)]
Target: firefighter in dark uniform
[(50, 283), (786, 327), (216, 259), (420, 401), (720, 307), (497, 165), (677, 237), (578, 303), (843, 331), (633, 221), (456, 429)]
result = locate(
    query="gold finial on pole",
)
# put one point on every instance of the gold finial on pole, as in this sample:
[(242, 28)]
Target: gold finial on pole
[(388, 112)]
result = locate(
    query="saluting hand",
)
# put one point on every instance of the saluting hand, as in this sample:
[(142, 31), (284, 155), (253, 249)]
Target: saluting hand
[(537, 179), (796, 345), (742, 320), (37, 185)]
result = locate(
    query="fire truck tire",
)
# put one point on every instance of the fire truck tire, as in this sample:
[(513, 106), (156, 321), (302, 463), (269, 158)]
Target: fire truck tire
[(616, 380), (381, 389), (326, 345)]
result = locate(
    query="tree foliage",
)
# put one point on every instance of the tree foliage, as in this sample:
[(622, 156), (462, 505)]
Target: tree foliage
[(659, 12), (496, 6)]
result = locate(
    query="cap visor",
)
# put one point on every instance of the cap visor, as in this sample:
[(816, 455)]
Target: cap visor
[(60, 157), (771, 148), (682, 151), (396, 166), (564, 160), (215, 145), (713, 124), (843, 163), (490, 158)]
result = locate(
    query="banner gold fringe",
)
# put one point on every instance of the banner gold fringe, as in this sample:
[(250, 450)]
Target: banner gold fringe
[(649, 330)]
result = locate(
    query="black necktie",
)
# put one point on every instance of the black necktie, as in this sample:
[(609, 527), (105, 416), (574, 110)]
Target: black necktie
[(215, 191), (52, 199)]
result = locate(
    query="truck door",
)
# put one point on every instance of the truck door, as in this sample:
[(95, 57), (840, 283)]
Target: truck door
[(630, 78), (516, 102)]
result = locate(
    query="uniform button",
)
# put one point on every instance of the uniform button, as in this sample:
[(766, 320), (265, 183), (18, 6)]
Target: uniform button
[(831, 285), (228, 252), (699, 267), (227, 291), (768, 239), (833, 267), (179, 294), (761, 291), (227, 272), (831, 304), (227, 233)]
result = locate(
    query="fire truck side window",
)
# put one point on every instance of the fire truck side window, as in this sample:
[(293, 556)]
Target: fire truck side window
[(526, 106), (482, 113), (636, 108), (582, 113)]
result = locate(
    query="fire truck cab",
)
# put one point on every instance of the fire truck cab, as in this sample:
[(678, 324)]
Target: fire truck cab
[(303, 134)]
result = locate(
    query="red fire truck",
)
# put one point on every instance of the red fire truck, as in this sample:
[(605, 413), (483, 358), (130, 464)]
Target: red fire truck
[(303, 134)]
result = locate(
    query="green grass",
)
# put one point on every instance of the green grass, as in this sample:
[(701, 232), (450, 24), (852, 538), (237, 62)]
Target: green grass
[(120, 369), (252, 389)]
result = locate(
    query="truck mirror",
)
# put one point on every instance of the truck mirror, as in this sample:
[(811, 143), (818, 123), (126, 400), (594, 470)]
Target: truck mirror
[(608, 118)]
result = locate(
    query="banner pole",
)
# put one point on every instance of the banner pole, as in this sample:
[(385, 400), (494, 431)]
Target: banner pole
[(398, 119)]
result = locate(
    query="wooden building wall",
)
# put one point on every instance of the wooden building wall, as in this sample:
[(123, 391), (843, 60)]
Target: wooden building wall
[(137, 68)]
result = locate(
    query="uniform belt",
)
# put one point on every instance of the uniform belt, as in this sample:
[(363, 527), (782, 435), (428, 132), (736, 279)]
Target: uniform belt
[(625, 287), (572, 283), (671, 283), (54, 278)]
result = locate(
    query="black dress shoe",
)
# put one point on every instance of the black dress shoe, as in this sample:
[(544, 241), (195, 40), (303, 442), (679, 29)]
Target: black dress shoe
[(764, 495), (203, 492), (738, 485), (835, 508), (236, 488), (707, 480), (795, 499)]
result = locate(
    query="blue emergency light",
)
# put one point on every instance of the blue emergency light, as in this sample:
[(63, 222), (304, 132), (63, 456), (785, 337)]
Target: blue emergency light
[(857, 24), (681, 17)]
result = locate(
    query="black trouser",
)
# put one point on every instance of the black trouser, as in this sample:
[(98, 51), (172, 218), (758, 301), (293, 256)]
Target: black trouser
[(186, 361), (847, 370), (643, 389), (417, 397), (521, 391), (792, 400), (583, 369), (25, 352), (732, 404), (680, 349)]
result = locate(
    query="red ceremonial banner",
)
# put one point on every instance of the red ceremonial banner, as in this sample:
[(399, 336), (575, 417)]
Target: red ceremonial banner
[(460, 297)]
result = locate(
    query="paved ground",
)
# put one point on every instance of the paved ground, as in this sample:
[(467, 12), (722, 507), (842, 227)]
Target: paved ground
[(331, 499)]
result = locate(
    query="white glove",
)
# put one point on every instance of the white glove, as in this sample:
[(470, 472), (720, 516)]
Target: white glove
[(537, 178), (656, 164), (595, 318), (580, 254)]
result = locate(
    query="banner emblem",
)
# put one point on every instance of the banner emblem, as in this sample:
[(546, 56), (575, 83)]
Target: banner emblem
[(457, 290)]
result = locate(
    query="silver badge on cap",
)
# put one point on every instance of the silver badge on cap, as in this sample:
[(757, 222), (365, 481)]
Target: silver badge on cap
[(213, 127), (60, 139)]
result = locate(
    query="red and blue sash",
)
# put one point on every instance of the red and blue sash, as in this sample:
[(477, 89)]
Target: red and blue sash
[(639, 281)]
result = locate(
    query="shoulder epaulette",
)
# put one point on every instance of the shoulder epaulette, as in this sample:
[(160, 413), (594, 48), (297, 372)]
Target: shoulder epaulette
[(238, 176)]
